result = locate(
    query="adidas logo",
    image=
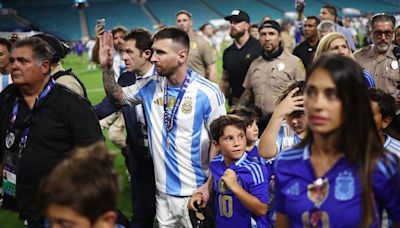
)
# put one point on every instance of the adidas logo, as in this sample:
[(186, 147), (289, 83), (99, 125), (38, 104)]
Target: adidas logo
[(293, 190)]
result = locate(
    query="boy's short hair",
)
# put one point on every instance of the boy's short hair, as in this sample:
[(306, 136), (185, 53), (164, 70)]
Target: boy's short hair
[(295, 84), (247, 113), (218, 125), (386, 103), (86, 182)]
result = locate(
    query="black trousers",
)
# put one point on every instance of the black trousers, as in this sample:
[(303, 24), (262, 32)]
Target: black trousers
[(143, 190)]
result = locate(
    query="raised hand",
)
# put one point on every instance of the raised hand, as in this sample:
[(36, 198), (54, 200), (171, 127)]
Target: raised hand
[(106, 50), (290, 104)]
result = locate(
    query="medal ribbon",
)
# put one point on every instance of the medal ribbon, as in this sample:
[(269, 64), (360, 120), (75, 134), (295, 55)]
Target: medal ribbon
[(42, 95), (169, 121)]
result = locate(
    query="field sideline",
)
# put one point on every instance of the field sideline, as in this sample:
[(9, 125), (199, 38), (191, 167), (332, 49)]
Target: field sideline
[(93, 82)]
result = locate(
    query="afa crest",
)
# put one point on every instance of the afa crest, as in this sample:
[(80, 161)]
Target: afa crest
[(344, 186), (193, 45), (222, 188), (187, 105)]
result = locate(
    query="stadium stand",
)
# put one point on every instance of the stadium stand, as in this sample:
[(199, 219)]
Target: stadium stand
[(366, 6), (165, 11), (255, 9), (62, 19), (117, 13)]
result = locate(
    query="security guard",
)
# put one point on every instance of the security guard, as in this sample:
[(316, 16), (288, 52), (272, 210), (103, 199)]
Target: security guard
[(378, 57), (270, 73), (381, 59)]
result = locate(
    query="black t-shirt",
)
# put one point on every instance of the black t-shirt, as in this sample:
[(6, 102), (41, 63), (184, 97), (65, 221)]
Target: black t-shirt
[(305, 52), (61, 121), (237, 61)]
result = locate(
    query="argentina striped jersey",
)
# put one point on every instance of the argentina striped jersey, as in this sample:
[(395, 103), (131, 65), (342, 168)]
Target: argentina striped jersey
[(181, 163)]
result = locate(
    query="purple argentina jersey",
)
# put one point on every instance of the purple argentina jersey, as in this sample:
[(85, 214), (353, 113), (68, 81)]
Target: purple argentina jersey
[(255, 156), (253, 178), (334, 200)]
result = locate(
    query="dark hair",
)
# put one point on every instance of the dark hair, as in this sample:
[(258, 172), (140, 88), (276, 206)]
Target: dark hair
[(41, 50), (295, 84), (386, 103), (358, 138), (142, 37), (249, 114), (187, 13), (6, 43), (119, 29), (382, 17), (331, 9), (316, 19), (86, 182), (253, 26), (218, 125), (176, 35), (204, 26)]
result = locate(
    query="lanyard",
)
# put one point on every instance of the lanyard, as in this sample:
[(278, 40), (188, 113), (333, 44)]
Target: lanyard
[(169, 120), (25, 132)]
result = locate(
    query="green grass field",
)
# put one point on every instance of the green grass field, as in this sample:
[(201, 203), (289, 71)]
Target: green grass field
[(93, 82)]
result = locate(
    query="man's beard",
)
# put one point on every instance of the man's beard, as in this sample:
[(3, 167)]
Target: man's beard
[(381, 47), (236, 35)]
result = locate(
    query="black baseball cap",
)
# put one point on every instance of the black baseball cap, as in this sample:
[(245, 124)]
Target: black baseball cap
[(57, 46), (239, 16), (270, 24)]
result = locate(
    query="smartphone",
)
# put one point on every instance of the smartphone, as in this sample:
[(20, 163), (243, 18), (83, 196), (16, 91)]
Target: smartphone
[(101, 23), (299, 4)]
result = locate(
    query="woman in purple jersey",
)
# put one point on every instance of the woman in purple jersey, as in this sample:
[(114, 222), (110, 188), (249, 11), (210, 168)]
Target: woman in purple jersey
[(338, 176)]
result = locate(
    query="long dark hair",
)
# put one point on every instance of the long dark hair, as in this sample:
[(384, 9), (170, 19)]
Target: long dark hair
[(358, 138)]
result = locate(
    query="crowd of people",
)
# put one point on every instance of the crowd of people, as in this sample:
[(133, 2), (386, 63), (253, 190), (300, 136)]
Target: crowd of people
[(295, 134)]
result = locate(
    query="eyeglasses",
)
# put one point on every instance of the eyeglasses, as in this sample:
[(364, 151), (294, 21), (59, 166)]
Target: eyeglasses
[(379, 34)]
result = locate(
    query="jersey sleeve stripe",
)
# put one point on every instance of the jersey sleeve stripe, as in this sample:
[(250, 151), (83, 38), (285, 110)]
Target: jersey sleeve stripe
[(210, 86), (253, 176)]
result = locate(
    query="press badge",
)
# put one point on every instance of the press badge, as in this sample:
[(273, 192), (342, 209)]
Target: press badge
[(10, 173)]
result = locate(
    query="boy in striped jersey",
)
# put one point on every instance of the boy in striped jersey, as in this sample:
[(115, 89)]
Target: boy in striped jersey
[(384, 109), (239, 183)]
